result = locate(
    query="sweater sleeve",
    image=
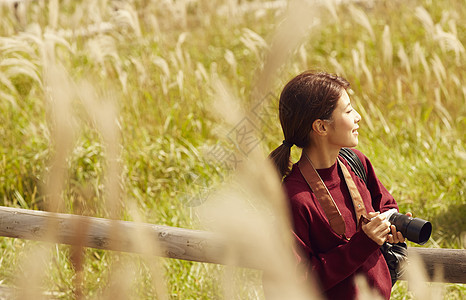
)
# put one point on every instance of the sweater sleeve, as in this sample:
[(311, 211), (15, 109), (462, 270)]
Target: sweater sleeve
[(336, 264), (382, 200)]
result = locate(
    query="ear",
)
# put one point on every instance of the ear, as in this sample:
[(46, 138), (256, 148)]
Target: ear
[(319, 127)]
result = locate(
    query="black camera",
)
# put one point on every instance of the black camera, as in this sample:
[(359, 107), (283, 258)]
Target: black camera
[(414, 229)]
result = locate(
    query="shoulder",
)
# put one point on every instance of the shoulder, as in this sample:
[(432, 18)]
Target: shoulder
[(294, 177), (372, 179), (364, 159), (296, 187), (361, 155)]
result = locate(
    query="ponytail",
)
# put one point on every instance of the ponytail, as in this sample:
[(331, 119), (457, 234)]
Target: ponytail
[(281, 159)]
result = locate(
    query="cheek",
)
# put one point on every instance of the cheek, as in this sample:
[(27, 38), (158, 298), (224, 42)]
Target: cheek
[(351, 120), (346, 124)]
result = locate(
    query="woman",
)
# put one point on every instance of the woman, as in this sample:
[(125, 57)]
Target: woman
[(316, 115)]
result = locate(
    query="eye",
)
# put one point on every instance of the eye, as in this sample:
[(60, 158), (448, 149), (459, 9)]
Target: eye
[(349, 109)]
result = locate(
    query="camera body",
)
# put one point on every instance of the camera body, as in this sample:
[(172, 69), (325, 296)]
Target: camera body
[(414, 229)]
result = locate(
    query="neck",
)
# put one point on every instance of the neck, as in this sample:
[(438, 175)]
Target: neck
[(321, 157)]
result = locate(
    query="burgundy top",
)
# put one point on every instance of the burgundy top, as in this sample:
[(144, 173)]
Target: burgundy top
[(324, 253)]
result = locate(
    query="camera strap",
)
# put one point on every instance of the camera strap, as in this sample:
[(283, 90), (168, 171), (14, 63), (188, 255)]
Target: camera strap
[(317, 185), (354, 162)]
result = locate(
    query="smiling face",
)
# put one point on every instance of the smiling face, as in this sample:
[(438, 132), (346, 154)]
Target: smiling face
[(343, 129)]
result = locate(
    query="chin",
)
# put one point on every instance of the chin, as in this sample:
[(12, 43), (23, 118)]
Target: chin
[(354, 144)]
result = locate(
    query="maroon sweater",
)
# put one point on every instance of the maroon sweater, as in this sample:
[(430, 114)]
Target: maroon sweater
[(321, 251)]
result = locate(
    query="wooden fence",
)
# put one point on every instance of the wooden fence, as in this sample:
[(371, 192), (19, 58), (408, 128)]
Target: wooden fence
[(178, 243)]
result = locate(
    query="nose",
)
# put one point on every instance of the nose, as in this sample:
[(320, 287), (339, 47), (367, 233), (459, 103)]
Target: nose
[(358, 117)]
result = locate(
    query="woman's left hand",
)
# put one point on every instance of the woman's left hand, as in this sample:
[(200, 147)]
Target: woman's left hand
[(394, 236)]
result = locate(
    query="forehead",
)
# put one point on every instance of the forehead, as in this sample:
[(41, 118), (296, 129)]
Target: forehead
[(344, 100)]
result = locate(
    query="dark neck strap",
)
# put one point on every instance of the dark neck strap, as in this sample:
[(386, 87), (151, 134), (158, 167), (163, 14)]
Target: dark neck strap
[(326, 200)]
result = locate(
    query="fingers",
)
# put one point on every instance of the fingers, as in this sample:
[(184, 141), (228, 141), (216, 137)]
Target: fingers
[(377, 229), (380, 230), (386, 227), (390, 239), (393, 231), (394, 236), (380, 226), (401, 238), (373, 214)]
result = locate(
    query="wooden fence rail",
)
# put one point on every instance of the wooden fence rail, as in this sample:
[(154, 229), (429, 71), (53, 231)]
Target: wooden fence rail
[(179, 243)]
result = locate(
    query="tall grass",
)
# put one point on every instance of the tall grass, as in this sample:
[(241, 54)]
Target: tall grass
[(138, 110)]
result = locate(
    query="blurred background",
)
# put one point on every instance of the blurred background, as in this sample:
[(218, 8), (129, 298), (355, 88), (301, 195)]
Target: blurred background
[(143, 110)]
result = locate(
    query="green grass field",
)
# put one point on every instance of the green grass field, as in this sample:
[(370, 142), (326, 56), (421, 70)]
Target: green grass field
[(163, 103)]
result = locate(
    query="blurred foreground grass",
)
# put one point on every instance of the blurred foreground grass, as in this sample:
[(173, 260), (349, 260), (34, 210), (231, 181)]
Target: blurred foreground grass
[(157, 64)]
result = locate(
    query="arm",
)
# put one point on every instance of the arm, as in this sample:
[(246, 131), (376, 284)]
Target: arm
[(340, 261), (382, 200)]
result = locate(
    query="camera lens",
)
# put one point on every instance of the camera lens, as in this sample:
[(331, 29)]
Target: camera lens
[(414, 229)]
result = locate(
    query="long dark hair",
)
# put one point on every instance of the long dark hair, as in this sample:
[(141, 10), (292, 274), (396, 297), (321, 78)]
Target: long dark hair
[(304, 99)]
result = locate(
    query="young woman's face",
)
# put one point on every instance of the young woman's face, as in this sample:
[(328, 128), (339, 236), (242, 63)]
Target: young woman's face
[(343, 129)]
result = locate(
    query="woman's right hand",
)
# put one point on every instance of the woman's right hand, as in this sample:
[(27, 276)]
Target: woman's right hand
[(378, 228)]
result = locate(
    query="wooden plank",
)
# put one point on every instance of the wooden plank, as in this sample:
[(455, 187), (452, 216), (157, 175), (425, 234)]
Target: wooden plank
[(173, 242), (451, 263), (179, 243)]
